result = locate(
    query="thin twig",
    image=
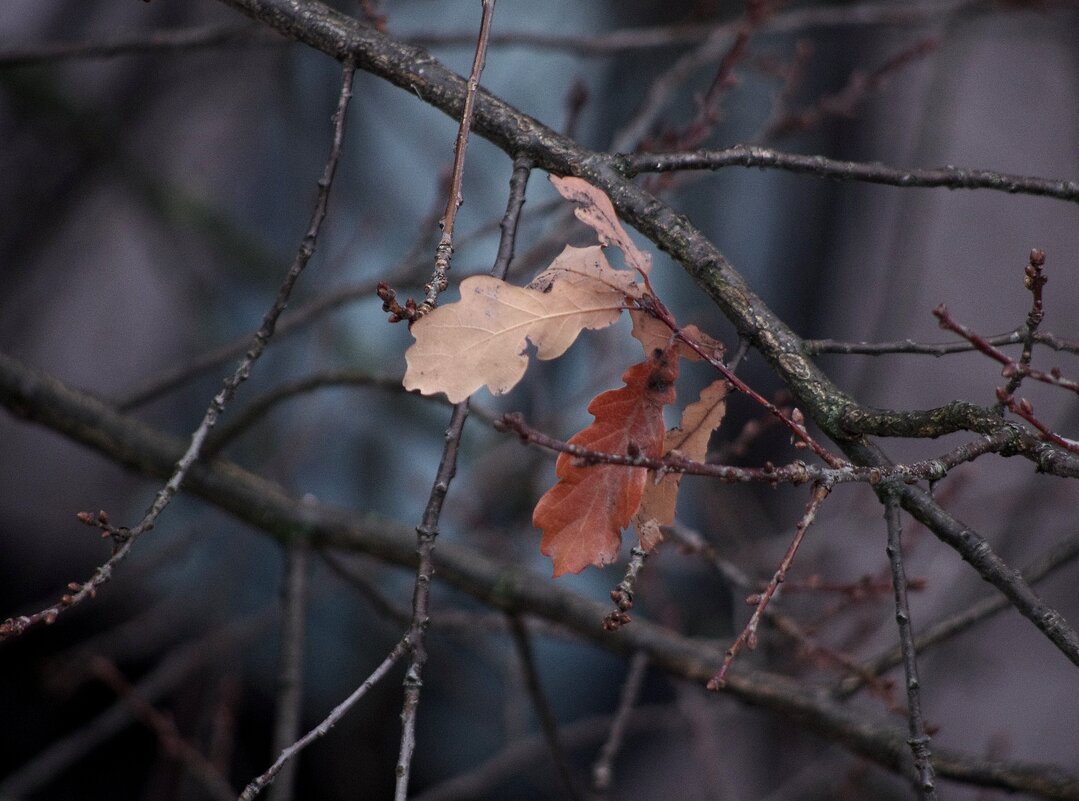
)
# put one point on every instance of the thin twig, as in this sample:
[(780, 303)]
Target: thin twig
[(748, 635), (524, 756), (544, 713), (262, 781), (719, 39), (1060, 555), (766, 158), (124, 538), (73, 746), (622, 595), (603, 768), (860, 86), (168, 40), (919, 739), (627, 40), (504, 585), (1034, 279), (444, 251), (165, 728), (795, 473), (507, 243), (427, 531), (289, 696)]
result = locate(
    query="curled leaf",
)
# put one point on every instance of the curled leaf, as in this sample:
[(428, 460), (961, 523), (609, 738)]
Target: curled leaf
[(596, 211), (653, 333), (690, 439)]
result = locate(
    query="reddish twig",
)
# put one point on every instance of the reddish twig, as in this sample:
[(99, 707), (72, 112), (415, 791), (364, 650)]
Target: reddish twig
[(748, 636), (1012, 368), (755, 15), (859, 87), (165, 728)]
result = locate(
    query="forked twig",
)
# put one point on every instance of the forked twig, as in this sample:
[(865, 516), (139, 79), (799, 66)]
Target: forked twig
[(444, 251), (427, 531), (748, 635), (262, 781)]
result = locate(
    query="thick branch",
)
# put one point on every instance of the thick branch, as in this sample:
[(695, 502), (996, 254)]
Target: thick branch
[(29, 394), (416, 71)]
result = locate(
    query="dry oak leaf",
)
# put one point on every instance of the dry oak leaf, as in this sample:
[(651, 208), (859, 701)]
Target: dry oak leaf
[(481, 339), (583, 515), (596, 211), (690, 439), (653, 333)]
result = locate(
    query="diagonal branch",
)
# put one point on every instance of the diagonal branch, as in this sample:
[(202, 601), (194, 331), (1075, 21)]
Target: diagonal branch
[(500, 585), (416, 71)]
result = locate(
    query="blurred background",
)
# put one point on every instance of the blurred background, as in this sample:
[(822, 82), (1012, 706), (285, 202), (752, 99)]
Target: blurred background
[(152, 202)]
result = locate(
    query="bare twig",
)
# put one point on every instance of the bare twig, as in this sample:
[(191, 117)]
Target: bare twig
[(719, 41), (444, 251), (795, 473), (427, 531), (627, 40), (812, 347), (1061, 554), (165, 728), (603, 768), (262, 781), (124, 538), (507, 243), (544, 713), (179, 39), (859, 87), (753, 18), (919, 739), (68, 749), (505, 586), (748, 635), (622, 595), (1034, 280), (290, 668), (821, 167), (522, 755)]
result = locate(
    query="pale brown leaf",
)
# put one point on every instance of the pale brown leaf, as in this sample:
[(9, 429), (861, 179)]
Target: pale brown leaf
[(690, 439), (595, 210), (481, 339), (654, 334)]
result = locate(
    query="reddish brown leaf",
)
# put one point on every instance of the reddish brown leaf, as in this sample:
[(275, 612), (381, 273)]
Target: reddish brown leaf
[(583, 515)]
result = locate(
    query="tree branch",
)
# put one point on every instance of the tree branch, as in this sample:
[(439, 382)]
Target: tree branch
[(503, 586)]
